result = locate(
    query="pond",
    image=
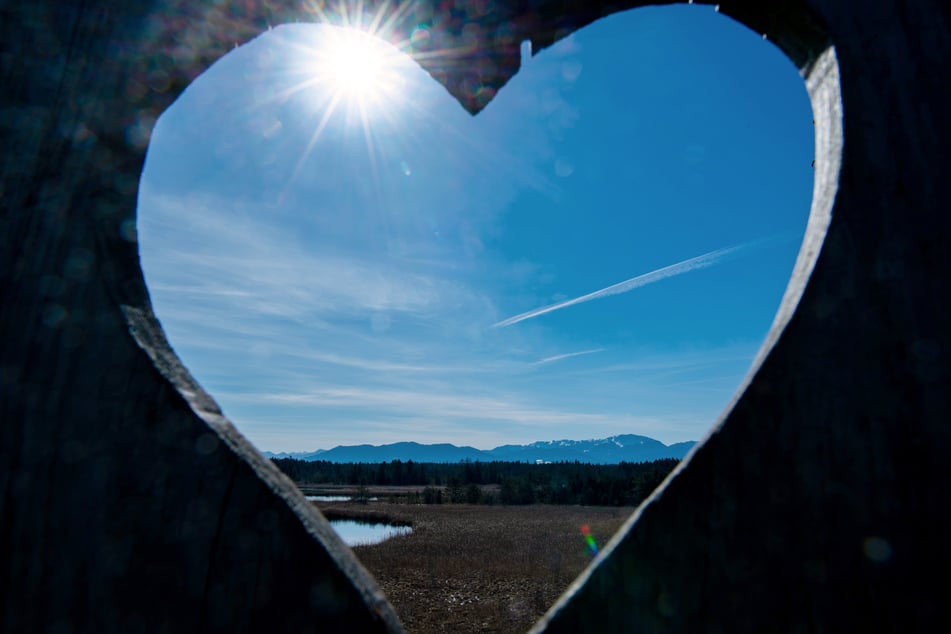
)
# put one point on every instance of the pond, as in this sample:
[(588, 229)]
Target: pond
[(356, 533)]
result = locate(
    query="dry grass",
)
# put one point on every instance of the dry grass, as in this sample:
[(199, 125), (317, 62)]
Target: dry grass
[(479, 568)]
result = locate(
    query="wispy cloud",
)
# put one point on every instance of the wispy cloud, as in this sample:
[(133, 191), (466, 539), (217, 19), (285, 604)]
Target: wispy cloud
[(645, 362), (428, 414), (693, 264), (559, 357), (230, 253)]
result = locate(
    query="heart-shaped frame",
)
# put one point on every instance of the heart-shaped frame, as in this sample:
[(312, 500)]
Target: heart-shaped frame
[(814, 504)]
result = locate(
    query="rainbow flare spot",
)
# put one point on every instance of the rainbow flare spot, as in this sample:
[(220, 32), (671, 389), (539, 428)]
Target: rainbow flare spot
[(589, 539)]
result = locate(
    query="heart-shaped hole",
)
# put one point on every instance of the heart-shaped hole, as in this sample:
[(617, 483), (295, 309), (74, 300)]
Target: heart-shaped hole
[(341, 255)]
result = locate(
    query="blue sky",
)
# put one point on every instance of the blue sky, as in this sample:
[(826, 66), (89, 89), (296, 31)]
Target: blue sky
[(373, 272)]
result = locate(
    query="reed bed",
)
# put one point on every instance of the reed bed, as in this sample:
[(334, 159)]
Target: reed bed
[(468, 568)]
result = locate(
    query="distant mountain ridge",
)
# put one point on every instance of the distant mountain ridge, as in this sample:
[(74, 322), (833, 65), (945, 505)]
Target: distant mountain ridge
[(611, 450)]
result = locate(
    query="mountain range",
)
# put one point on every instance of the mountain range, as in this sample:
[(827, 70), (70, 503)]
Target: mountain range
[(614, 449)]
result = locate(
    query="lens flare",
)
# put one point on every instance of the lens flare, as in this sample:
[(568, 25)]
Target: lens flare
[(589, 540)]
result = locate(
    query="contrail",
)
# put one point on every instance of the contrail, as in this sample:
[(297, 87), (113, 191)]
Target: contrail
[(568, 355), (699, 262)]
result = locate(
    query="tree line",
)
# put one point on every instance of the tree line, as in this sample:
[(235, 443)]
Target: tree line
[(623, 484)]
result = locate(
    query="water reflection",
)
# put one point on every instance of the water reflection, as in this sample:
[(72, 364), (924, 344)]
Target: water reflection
[(355, 533)]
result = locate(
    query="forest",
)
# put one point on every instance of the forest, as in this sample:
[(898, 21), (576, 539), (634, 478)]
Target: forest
[(497, 482)]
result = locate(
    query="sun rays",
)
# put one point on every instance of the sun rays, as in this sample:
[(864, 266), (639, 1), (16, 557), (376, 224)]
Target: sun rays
[(358, 69), (355, 65), (360, 74), (351, 69), (354, 71)]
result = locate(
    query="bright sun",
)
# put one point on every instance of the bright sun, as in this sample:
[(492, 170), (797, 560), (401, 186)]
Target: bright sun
[(353, 65), (355, 72), (357, 66)]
